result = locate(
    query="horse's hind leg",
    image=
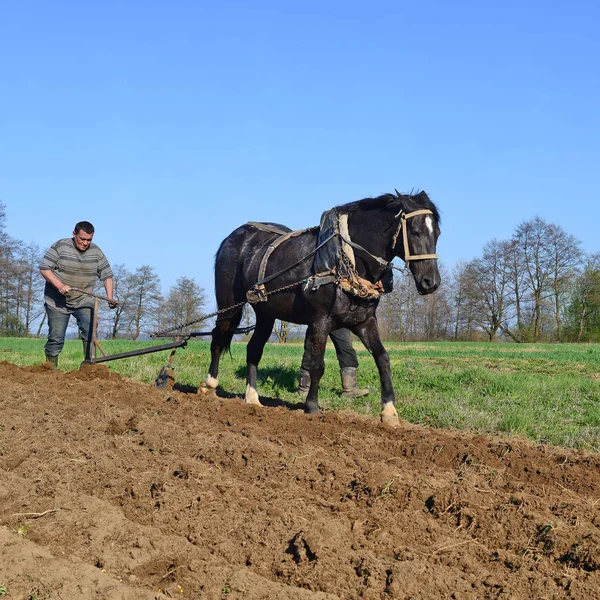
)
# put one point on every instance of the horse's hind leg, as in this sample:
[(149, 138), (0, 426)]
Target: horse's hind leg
[(222, 334), (254, 352)]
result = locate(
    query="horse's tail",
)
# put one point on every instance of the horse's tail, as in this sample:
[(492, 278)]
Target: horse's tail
[(225, 328), (229, 290)]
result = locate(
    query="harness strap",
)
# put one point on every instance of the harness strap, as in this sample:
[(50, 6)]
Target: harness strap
[(348, 241), (257, 292), (345, 238), (276, 242), (267, 227)]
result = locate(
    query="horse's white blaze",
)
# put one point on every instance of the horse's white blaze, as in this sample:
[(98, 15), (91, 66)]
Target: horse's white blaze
[(211, 382), (252, 396), (429, 223)]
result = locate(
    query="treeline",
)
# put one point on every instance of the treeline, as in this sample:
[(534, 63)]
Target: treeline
[(142, 309), (537, 286)]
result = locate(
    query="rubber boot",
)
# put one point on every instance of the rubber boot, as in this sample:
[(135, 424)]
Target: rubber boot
[(53, 360), (349, 384), (85, 350), (303, 383)]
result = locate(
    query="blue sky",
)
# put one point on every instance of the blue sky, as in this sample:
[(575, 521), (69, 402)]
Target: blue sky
[(168, 124)]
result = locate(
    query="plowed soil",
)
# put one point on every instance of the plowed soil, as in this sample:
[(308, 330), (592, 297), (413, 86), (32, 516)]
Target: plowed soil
[(112, 489)]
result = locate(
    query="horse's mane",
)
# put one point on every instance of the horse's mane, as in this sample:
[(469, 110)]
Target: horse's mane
[(408, 202)]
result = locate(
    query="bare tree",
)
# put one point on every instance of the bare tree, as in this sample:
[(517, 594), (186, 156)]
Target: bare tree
[(517, 285), (184, 304), (565, 251), (436, 312), (10, 250), (30, 286), (532, 241), (404, 315), (390, 313), (115, 321), (464, 308), (487, 287), (283, 330), (145, 301)]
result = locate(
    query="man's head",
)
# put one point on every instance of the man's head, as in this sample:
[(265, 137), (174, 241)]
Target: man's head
[(82, 235)]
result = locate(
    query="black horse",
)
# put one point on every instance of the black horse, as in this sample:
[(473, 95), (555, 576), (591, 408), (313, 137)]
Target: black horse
[(326, 277)]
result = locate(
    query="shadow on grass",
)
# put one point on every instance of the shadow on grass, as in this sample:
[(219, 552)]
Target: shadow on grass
[(286, 377)]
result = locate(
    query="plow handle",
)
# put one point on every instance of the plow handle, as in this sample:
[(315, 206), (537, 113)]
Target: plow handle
[(95, 296)]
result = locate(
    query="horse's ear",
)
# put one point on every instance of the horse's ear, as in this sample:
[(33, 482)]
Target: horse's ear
[(397, 193)]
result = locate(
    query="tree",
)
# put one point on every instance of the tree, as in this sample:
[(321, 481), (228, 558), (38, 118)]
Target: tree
[(532, 241), (583, 312), (405, 315), (20, 284), (30, 286), (464, 309), (184, 304), (566, 256), (390, 313), (517, 286), (144, 300), (115, 320), (486, 285), (283, 329)]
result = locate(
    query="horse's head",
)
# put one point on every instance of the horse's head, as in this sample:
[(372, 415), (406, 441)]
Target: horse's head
[(416, 240)]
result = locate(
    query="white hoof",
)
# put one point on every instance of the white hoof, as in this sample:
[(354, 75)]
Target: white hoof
[(252, 396), (389, 416), (210, 382)]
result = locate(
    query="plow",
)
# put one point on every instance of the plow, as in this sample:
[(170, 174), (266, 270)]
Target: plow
[(95, 353)]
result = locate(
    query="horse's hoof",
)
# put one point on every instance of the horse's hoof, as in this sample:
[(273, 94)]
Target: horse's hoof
[(253, 402), (211, 383), (389, 416), (252, 396), (311, 410)]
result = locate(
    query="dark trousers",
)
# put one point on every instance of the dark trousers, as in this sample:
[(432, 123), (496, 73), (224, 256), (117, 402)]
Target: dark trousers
[(343, 348)]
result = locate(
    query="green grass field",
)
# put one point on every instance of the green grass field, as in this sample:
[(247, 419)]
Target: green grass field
[(547, 393)]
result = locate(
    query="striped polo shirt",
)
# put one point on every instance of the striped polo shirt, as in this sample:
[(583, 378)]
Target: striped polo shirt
[(75, 269)]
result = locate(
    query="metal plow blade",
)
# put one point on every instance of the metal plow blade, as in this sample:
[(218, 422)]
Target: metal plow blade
[(165, 379)]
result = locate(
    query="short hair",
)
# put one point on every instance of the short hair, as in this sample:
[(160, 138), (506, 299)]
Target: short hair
[(86, 226)]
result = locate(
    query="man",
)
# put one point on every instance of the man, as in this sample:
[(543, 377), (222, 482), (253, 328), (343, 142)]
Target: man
[(347, 359), (72, 263)]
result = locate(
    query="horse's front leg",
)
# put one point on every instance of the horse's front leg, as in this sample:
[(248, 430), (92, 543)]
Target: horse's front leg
[(254, 352), (368, 332), (317, 337)]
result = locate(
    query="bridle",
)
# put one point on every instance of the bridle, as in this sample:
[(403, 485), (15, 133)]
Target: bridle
[(402, 226)]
